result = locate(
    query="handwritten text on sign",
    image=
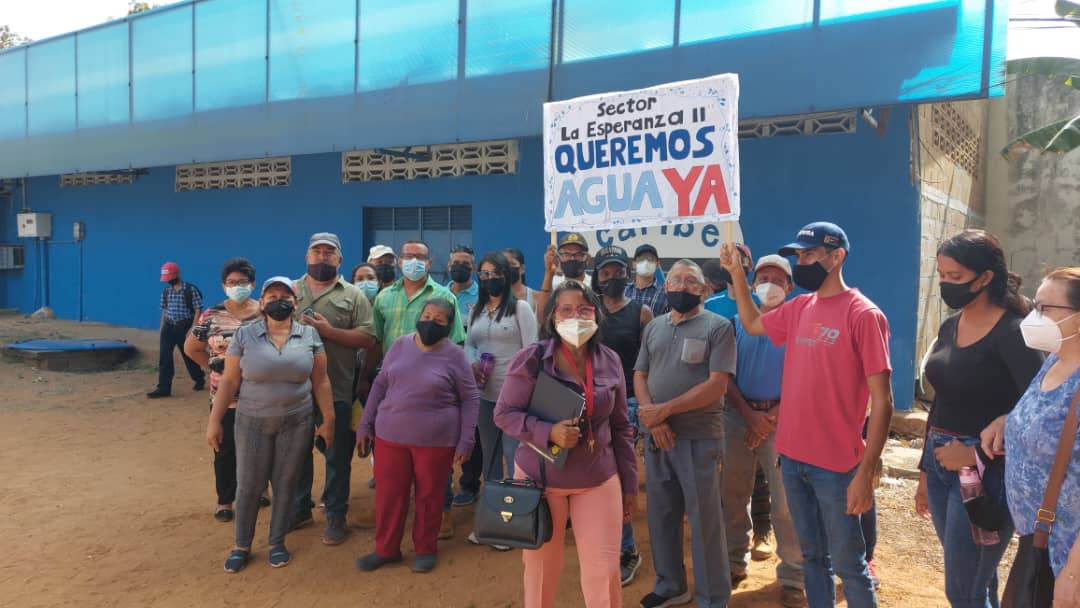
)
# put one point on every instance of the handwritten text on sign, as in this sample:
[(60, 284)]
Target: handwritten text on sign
[(658, 156)]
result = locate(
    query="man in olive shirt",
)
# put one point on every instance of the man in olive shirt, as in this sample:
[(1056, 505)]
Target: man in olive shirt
[(342, 315)]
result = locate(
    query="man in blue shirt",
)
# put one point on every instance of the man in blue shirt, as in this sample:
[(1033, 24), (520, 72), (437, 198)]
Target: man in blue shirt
[(750, 416), (722, 302), (461, 266), (645, 288)]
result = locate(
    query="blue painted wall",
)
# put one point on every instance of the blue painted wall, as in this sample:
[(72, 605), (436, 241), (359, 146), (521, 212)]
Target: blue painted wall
[(859, 180)]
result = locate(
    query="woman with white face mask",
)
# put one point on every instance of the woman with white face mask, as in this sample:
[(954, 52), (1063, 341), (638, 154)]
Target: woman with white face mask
[(979, 367), (1030, 433), (206, 344), (597, 484)]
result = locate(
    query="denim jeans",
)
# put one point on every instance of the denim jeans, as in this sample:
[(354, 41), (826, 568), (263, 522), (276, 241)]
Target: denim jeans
[(628, 544), (970, 570), (338, 465), (740, 470), (831, 540)]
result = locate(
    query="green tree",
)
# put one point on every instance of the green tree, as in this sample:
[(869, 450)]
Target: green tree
[(139, 7), (9, 38), (1063, 135)]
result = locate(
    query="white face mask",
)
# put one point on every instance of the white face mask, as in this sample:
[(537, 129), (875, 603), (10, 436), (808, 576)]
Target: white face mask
[(1043, 333), (238, 293), (575, 332), (769, 294), (645, 267)]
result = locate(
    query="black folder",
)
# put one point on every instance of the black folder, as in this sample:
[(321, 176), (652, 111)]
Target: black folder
[(554, 401)]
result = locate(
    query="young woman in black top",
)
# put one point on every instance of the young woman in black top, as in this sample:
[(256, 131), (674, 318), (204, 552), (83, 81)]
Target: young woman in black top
[(979, 366), (624, 321)]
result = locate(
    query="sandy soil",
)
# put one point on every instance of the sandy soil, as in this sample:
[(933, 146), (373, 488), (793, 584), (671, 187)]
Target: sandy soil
[(106, 500)]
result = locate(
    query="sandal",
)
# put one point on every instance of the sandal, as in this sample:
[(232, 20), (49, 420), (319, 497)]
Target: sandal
[(224, 515), (238, 558), (279, 557)]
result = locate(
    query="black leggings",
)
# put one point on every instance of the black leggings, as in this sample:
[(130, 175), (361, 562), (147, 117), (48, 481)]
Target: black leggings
[(225, 460)]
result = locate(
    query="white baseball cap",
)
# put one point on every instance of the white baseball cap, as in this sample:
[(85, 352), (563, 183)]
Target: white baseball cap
[(774, 260), (379, 251)]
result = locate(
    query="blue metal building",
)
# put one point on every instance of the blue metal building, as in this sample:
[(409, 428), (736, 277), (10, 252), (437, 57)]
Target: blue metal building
[(216, 128)]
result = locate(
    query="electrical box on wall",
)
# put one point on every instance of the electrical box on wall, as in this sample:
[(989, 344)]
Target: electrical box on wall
[(35, 225)]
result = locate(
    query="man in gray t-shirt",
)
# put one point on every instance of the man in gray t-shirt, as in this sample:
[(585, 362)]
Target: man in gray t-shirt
[(686, 359)]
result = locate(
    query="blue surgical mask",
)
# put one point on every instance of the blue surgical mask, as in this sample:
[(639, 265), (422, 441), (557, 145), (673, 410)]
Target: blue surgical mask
[(369, 288), (414, 269), (238, 293)]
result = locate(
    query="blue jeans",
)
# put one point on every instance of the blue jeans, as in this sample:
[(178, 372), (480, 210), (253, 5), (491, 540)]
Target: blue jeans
[(338, 465), (628, 545), (831, 540), (970, 570)]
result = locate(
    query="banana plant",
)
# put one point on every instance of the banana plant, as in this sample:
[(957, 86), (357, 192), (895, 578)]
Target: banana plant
[(1061, 136)]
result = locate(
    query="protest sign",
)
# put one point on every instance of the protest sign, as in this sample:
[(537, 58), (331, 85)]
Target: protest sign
[(652, 157)]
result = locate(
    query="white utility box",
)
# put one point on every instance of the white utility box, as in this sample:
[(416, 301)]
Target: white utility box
[(35, 225)]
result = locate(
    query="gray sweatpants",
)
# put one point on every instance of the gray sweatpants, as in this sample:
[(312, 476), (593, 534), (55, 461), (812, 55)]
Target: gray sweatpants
[(740, 468), (269, 449), (687, 480)]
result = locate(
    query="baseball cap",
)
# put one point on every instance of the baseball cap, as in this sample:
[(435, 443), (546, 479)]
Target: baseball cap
[(325, 238), (817, 234), (279, 280), (379, 251), (574, 238), (646, 248), (169, 271), (612, 255), (776, 261)]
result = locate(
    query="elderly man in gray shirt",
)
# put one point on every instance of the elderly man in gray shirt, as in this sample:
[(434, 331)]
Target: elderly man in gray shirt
[(687, 357)]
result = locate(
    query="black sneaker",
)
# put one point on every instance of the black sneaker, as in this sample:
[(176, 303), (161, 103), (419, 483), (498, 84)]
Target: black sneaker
[(335, 529), (658, 601), (300, 520), (628, 566), (157, 393), (200, 385)]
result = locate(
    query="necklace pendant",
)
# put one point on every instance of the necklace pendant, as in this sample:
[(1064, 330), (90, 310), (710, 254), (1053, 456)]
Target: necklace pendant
[(592, 445)]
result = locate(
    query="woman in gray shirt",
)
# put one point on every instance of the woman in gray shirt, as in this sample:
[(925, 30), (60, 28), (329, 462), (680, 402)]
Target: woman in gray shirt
[(276, 364)]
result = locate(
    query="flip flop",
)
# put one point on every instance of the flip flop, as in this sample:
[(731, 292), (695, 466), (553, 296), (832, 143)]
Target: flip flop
[(238, 558), (224, 515)]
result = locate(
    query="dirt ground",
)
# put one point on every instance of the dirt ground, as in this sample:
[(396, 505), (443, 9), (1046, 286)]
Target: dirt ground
[(106, 500)]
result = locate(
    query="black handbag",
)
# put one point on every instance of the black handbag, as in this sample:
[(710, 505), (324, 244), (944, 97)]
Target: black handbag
[(1031, 580), (513, 512)]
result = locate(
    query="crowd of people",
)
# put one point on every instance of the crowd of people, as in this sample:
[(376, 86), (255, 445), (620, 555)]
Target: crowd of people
[(753, 408)]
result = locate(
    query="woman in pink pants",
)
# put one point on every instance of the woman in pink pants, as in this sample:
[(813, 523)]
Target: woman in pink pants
[(597, 486)]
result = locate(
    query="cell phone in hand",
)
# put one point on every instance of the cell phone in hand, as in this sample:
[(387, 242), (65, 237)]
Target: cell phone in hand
[(309, 312)]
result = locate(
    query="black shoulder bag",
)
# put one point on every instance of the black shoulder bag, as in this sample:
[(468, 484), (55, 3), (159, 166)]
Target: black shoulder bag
[(1031, 580), (513, 512)]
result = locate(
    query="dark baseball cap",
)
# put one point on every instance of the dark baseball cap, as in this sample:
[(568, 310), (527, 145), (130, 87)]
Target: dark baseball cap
[(325, 238), (574, 238), (817, 234), (646, 248), (612, 254)]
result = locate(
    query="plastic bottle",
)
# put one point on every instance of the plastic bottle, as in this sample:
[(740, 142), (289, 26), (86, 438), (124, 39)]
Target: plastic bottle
[(487, 364), (971, 488)]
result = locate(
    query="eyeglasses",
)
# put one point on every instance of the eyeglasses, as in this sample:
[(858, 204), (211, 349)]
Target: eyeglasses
[(581, 312), (485, 274), (566, 255), (1041, 308), (415, 256), (239, 283), (690, 283)]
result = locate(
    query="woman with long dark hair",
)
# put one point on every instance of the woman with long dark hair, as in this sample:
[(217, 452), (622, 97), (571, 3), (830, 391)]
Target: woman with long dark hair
[(516, 278), (597, 484), (501, 325), (979, 367)]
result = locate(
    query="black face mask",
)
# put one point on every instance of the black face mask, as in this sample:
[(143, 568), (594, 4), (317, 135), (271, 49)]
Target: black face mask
[(809, 276), (958, 295), (384, 273), (513, 276), (683, 301), (174, 282), (321, 271), (431, 332), (460, 273), (573, 269), (612, 288), (279, 310), (493, 287)]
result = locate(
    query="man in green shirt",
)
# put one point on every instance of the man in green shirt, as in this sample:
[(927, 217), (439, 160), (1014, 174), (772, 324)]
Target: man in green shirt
[(342, 315)]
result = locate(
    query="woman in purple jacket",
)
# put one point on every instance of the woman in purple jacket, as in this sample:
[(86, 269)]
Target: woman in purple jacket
[(421, 414), (597, 486)]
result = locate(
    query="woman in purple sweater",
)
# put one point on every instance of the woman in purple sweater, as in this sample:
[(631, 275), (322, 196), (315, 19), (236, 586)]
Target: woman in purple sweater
[(421, 414), (597, 486)]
